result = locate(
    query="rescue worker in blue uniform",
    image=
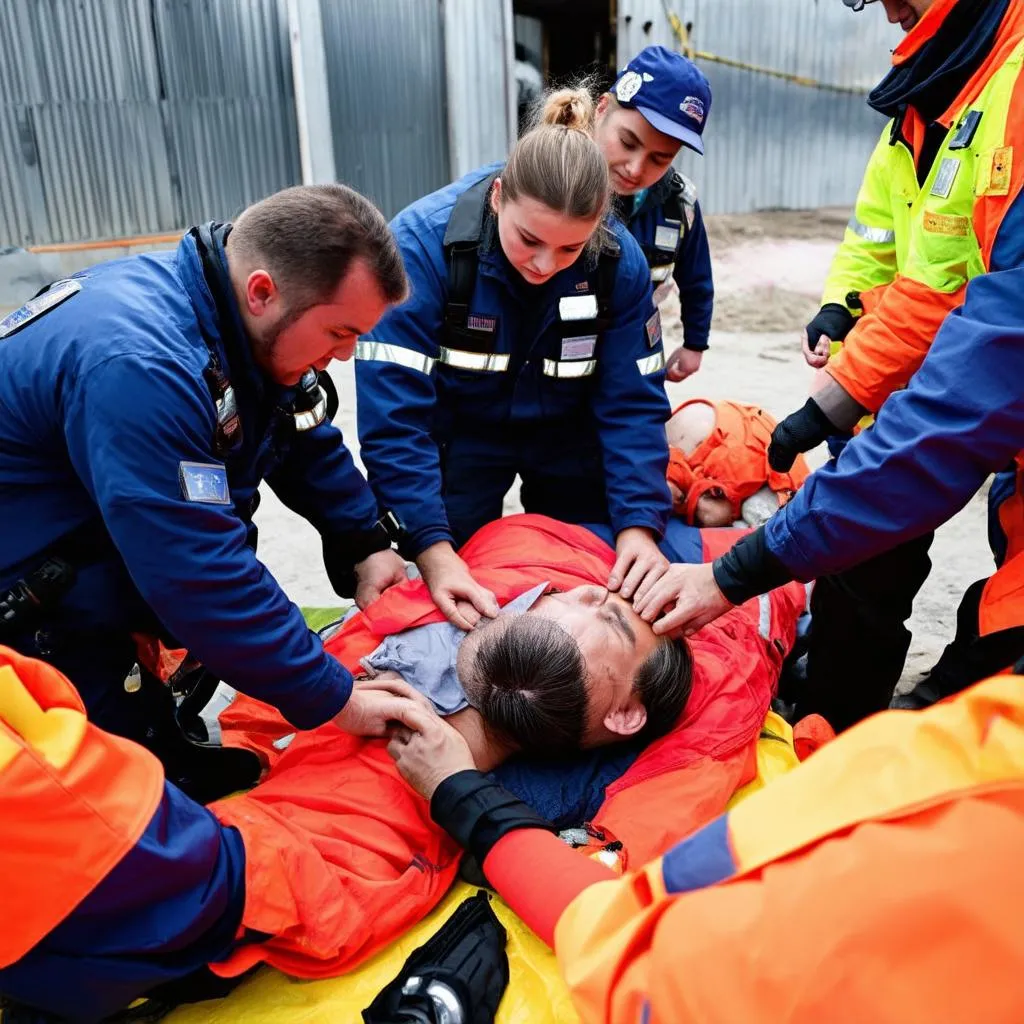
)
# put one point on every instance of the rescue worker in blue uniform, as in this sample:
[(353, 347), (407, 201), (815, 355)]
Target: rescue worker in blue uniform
[(932, 447), (530, 346), (143, 402), (658, 104)]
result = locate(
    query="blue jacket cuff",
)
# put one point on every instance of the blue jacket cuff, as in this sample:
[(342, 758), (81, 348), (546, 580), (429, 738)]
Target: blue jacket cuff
[(415, 543), (331, 692)]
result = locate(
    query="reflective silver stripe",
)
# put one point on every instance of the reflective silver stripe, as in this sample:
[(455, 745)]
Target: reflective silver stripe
[(223, 697), (569, 368), (486, 362), (651, 364), (879, 235), (382, 352), (764, 618), (659, 274)]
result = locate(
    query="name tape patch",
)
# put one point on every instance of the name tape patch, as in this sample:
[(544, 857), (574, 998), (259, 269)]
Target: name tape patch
[(666, 237), (479, 322), (579, 348), (948, 170), (577, 307)]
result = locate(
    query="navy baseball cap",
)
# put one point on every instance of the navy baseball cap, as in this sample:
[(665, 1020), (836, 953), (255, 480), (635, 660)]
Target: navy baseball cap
[(670, 92)]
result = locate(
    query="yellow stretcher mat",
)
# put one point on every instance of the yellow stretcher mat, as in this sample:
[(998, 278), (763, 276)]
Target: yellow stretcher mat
[(535, 995)]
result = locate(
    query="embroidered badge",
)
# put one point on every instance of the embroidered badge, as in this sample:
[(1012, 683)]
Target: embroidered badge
[(628, 86), (693, 107), (653, 327), (204, 482)]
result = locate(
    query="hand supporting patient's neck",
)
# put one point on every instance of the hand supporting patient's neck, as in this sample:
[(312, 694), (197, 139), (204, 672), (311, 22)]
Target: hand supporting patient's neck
[(488, 749)]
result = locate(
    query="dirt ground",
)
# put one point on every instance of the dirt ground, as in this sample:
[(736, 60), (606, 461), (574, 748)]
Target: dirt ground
[(769, 272)]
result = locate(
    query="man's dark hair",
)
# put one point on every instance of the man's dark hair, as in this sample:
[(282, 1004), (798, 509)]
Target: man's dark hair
[(309, 236), (663, 683), (529, 685)]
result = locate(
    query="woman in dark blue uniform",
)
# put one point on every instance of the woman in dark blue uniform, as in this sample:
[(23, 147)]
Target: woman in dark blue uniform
[(658, 104), (530, 347)]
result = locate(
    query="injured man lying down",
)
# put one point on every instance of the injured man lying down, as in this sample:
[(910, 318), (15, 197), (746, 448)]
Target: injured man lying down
[(623, 740)]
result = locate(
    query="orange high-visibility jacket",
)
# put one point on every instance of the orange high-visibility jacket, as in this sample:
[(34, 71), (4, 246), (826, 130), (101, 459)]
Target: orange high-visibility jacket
[(879, 881), (341, 855)]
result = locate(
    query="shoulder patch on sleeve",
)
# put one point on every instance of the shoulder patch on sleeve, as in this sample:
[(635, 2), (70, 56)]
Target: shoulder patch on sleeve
[(689, 197), (37, 307), (204, 482), (653, 327)]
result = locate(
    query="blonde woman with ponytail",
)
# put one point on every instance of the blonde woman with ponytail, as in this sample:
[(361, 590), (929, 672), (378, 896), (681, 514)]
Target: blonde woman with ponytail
[(530, 346)]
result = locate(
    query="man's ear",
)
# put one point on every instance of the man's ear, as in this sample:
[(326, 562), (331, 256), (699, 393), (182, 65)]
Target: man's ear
[(260, 292), (627, 720)]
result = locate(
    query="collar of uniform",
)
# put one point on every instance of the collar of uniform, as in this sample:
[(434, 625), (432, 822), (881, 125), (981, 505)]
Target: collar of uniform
[(923, 31), (655, 195), (240, 367)]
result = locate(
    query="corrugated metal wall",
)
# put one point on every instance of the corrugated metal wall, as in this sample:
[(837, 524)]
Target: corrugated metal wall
[(126, 117), (229, 102), (385, 72), (771, 143), (479, 49)]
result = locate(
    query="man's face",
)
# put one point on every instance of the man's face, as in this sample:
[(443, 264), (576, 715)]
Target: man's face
[(285, 346), (615, 642), (906, 13)]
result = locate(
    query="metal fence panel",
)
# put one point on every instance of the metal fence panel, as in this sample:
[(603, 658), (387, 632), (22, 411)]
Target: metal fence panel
[(773, 143), (385, 73), (228, 103), (128, 117), (479, 47)]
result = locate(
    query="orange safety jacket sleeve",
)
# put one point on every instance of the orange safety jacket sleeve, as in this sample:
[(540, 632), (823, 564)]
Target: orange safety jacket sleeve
[(770, 914), (887, 346), (879, 881)]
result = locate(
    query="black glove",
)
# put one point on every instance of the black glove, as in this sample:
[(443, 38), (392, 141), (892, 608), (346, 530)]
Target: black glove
[(832, 320), (799, 432), (748, 568), (476, 812)]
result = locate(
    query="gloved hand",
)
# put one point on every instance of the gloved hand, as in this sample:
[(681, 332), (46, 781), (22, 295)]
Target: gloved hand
[(831, 323), (799, 432)]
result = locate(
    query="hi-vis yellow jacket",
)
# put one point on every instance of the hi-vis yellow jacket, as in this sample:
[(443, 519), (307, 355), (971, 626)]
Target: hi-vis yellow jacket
[(910, 249)]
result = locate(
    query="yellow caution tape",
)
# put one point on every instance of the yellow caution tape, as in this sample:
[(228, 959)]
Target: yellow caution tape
[(687, 48)]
